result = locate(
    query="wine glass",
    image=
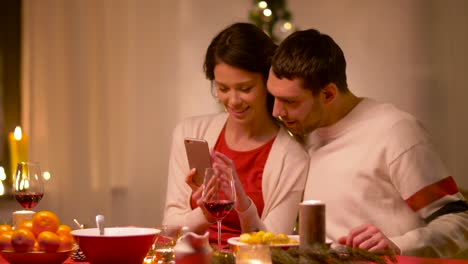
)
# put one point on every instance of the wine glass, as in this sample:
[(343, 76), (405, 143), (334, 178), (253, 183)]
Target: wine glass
[(219, 194), (28, 186)]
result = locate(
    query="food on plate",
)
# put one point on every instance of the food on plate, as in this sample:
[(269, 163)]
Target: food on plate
[(262, 237), (43, 233)]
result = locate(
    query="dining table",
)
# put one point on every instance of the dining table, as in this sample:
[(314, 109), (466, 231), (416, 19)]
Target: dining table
[(400, 260)]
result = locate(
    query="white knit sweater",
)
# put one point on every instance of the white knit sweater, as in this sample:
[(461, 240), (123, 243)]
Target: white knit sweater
[(283, 179), (372, 167)]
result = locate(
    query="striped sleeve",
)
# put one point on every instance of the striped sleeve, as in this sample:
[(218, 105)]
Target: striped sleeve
[(424, 182)]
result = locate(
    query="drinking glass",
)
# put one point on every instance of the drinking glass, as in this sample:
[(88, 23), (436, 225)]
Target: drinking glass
[(219, 194), (163, 246), (28, 186), (250, 254)]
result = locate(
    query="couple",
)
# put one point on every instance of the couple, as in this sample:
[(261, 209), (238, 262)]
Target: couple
[(372, 165)]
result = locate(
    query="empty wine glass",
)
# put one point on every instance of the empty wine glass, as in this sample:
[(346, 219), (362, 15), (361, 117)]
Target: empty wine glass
[(219, 194), (28, 186)]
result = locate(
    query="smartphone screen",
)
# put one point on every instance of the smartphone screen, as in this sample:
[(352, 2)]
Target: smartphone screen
[(198, 156)]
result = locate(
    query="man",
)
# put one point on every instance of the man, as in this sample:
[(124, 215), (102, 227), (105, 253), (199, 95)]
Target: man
[(372, 164)]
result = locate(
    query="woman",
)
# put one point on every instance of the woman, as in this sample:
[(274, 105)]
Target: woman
[(269, 167)]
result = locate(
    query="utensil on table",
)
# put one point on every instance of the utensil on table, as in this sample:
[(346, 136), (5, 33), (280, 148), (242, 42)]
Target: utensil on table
[(80, 226), (100, 224)]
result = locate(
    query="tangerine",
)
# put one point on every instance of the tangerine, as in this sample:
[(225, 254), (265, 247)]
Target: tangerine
[(45, 221), (22, 240), (5, 228), (64, 230), (28, 224), (66, 242), (5, 241), (48, 241)]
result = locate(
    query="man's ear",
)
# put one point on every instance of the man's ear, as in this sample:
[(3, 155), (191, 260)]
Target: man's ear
[(329, 93)]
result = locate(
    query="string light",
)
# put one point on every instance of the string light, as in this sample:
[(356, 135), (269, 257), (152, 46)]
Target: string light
[(46, 175), (273, 17)]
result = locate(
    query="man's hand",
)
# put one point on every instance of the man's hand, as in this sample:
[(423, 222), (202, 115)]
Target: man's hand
[(368, 237)]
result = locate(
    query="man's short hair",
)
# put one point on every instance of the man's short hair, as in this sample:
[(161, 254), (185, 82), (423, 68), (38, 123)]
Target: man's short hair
[(312, 57)]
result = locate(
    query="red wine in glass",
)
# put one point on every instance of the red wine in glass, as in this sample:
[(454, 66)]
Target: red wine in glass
[(28, 186), (28, 200), (219, 209), (219, 194)]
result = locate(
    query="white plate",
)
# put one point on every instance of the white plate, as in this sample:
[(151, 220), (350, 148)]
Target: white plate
[(235, 242)]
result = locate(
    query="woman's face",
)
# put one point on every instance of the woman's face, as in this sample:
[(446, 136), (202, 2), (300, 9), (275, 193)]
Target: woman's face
[(242, 93)]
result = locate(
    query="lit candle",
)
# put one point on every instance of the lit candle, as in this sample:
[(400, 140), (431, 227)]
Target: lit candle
[(18, 148), (2, 178)]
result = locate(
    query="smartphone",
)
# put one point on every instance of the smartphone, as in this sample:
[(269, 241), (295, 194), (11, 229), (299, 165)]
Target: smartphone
[(198, 156)]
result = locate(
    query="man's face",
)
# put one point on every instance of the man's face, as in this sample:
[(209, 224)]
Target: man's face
[(297, 107)]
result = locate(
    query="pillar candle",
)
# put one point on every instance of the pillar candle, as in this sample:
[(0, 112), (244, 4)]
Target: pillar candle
[(311, 223), (18, 143), (20, 216)]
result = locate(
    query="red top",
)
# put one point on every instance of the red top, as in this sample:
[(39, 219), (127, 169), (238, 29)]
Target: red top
[(249, 166)]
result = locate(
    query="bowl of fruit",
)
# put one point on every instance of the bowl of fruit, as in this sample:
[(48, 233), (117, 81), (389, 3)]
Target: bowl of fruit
[(42, 240)]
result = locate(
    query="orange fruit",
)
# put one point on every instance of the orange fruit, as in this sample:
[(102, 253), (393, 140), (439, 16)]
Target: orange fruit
[(66, 242), (45, 221), (64, 230), (5, 228), (5, 241), (48, 241), (22, 240), (28, 224)]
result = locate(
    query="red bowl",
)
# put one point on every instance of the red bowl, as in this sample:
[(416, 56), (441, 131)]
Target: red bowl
[(117, 245), (35, 257)]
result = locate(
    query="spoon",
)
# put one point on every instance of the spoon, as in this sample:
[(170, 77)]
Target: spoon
[(100, 224), (78, 224)]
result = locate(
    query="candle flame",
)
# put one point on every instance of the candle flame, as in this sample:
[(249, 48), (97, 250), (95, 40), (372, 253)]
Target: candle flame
[(18, 133), (2, 174), (2, 178), (24, 184)]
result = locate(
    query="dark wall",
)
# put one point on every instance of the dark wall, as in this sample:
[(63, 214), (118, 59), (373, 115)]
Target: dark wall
[(10, 64)]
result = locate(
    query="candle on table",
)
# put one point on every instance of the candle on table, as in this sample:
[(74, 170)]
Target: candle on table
[(311, 223), (18, 143), (20, 216)]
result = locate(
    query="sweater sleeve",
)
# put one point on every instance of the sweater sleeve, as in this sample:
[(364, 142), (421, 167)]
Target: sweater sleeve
[(443, 237), (177, 209), (283, 184), (426, 187), (286, 170)]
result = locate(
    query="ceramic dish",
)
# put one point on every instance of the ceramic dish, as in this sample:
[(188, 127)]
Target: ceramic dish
[(294, 241)]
